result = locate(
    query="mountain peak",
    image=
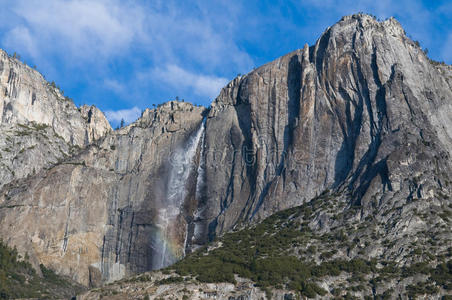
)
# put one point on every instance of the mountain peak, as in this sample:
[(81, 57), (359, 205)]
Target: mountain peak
[(363, 21), (27, 97)]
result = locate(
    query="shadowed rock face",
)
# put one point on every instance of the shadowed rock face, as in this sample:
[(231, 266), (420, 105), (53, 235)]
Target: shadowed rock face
[(363, 112)]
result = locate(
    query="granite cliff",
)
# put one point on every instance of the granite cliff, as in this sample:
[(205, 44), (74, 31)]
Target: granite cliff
[(38, 124), (363, 117)]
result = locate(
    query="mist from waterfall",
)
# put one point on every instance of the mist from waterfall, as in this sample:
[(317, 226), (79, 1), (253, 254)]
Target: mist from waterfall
[(180, 165)]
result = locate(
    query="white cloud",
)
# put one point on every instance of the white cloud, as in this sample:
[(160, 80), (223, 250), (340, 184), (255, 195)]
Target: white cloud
[(202, 85), (115, 86), (118, 39), (128, 115), (88, 29), (20, 38), (170, 32), (177, 32), (447, 48)]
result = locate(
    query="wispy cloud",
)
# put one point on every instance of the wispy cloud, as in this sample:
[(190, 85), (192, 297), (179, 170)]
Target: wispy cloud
[(447, 48), (20, 38), (134, 36), (99, 29), (87, 29), (115, 86), (206, 34), (202, 85), (128, 115)]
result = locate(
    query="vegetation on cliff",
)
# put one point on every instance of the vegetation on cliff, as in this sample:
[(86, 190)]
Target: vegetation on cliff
[(18, 279), (283, 252)]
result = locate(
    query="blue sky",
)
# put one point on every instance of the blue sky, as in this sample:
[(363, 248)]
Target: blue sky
[(124, 56)]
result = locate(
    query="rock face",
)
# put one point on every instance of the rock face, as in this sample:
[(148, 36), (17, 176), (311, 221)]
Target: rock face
[(353, 111), (363, 112), (96, 124), (95, 216), (27, 97), (38, 124)]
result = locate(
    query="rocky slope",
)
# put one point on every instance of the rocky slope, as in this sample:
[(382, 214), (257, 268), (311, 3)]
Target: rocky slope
[(285, 257), (363, 117)]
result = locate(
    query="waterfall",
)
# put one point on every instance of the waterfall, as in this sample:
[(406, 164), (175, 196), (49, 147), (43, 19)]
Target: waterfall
[(198, 229), (180, 165), (200, 183)]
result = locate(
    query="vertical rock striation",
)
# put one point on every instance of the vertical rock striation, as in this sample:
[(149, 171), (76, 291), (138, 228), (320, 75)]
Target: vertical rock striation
[(27, 97), (341, 114), (96, 216)]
